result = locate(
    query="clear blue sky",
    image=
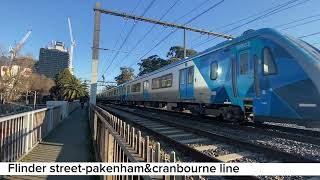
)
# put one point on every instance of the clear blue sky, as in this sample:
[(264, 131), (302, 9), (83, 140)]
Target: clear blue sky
[(48, 21)]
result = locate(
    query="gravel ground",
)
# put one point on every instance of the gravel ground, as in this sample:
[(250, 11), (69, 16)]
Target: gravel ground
[(292, 126), (299, 148)]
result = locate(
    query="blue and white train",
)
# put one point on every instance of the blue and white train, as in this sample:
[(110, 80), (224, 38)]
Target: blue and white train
[(263, 75)]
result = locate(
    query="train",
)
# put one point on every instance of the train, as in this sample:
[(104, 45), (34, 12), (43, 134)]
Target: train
[(261, 76)]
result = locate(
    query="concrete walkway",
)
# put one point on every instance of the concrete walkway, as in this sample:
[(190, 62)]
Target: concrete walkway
[(69, 142)]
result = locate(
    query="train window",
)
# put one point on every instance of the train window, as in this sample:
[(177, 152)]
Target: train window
[(214, 70), (136, 87), (244, 63), (169, 80), (190, 75), (146, 85), (166, 81), (269, 64), (156, 83), (182, 76)]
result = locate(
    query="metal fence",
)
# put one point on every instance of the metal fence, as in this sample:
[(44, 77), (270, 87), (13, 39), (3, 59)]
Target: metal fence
[(10, 108), (116, 141), (19, 133)]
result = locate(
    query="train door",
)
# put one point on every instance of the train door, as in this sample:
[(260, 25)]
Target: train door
[(256, 74), (245, 74), (146, 90), (186, 83), (127, 93)]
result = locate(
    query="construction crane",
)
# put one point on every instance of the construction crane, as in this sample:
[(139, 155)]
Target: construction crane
[(73, 45), (13, 51)]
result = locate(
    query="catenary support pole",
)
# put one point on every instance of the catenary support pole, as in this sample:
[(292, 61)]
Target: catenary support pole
[(184, 43), (95, 55)]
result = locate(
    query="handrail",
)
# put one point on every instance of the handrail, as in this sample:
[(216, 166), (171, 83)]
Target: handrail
[(115, 140)]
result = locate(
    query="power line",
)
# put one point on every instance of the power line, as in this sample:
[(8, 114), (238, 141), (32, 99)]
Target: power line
[(192, 10), (114, 50), (126, 38), (295, 21), (260, 15), (238, 21), (308, 35), (276, 10), (192, 19), (184, 15), (124, 26), (150, 30), (297, 25)]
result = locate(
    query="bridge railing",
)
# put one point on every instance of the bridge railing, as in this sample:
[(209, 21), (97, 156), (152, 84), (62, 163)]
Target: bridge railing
[(19, 133), (116, 141)]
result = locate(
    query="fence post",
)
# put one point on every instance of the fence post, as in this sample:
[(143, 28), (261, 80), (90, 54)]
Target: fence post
[(146, 149), (110, 147), (173, 160), (27, 131), (133, 137), (157, 157), (124, 130), (95, 121), (139, 143)]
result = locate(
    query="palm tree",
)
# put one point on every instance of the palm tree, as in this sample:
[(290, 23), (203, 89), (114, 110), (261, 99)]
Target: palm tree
[(73, 89)]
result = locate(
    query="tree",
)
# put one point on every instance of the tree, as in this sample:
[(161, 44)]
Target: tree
[(73, 90), (15, 84), (177, 52), (150, 64), (40, 83), (68, 87), (126, 74)]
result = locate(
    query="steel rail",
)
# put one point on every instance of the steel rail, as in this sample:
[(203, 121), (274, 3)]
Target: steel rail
[(269, 152)]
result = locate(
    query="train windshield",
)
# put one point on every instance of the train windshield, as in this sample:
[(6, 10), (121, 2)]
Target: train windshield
[(306, 46)]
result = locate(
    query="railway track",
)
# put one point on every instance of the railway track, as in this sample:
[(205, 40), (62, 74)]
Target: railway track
[(300, 135), (158, 131), (208, 145)]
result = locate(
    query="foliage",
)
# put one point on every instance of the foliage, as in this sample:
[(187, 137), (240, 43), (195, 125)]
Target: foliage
[(15, 86), (40, 83), (150, 64), (126, 74), (68, 87), (177, 52), (155, 62)]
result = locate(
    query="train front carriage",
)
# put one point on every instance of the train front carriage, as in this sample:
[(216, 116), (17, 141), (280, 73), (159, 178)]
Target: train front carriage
[(270, 76)]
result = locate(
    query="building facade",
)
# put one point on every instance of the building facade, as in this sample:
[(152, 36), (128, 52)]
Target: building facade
[(52, 60)]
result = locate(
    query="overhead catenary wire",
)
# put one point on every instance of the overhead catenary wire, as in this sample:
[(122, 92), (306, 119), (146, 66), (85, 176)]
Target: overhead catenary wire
[(276, 10), (151, 29), (261, 15), (181, 17), (308, 35), (295, 21), (184, 15), (128, 35), (189, 21), (238, 21), (301, 24), (124, 27)]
